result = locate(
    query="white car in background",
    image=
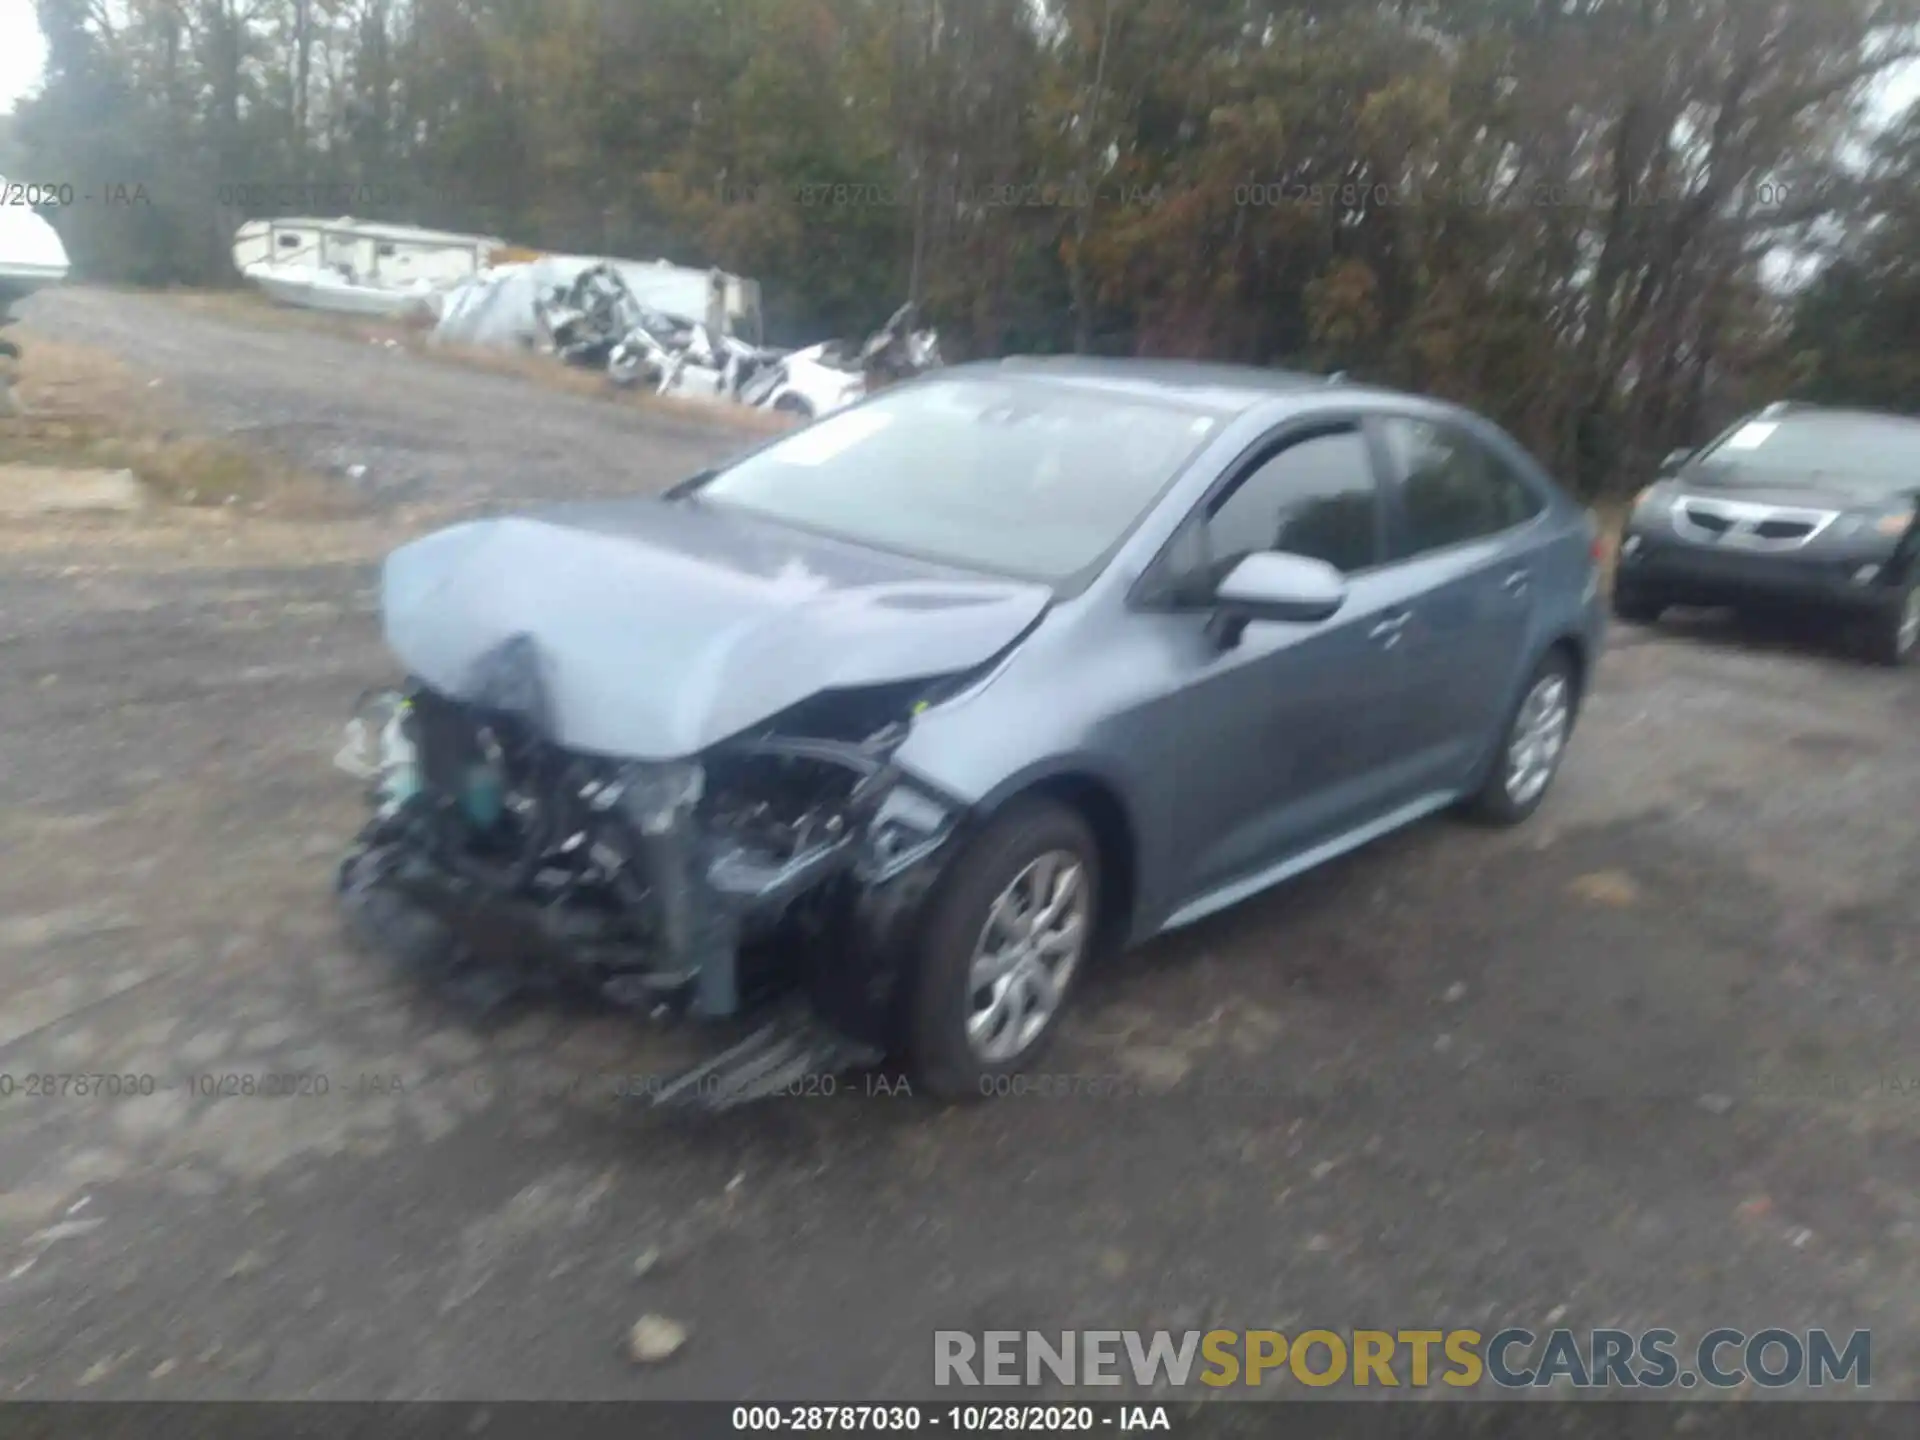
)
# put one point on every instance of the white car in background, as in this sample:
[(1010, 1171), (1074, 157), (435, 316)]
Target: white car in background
[(31, 254), (807, 383), (811, 382)]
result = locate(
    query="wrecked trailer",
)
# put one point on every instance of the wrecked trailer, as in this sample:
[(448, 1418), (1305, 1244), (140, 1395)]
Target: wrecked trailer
[(701, 821)]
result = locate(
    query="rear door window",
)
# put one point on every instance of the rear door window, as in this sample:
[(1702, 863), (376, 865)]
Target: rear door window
[(1452, 488)]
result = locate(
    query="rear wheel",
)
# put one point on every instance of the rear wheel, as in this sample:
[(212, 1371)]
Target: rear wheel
[(1003, 948), (795, 406), (1894, 636), (1531, 746)]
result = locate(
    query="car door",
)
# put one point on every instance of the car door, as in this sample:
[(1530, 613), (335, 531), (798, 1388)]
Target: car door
[(1460, 526), (1282, 740)]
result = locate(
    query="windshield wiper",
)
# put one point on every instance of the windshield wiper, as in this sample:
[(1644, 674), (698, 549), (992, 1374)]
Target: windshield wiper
[(686, 489)]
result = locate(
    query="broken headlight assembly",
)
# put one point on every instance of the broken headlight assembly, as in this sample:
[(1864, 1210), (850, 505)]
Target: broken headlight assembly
[(379, 749), (908, 825)]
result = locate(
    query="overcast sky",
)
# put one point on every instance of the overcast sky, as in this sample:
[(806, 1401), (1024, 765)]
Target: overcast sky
[(23, 52)]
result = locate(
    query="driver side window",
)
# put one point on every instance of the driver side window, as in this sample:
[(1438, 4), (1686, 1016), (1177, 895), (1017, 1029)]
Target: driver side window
[(1315, 497)]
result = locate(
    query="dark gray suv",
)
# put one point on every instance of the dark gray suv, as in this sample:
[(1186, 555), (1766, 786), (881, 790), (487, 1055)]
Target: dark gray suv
[(908, 713), (1795, 508)]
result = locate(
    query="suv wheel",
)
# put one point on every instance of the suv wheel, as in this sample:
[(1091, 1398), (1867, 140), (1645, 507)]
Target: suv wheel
[(1895, 635), (1531, 746), (1004, 945)]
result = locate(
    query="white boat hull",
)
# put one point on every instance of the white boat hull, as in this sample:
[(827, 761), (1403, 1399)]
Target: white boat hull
[(310, 291)]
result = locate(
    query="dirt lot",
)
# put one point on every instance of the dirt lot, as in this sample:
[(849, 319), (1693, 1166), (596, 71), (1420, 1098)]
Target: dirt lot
[(1649, 1061)]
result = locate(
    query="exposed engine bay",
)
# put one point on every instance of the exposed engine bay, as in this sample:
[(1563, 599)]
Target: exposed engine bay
[(502, 862)]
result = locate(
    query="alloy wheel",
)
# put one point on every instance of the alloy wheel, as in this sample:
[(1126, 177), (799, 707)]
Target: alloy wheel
[(1029, 947), (1539, 737)]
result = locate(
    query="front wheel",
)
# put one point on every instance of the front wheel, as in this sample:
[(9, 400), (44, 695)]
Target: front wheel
[(1003, 948), (1894, 638), (1531, 746)]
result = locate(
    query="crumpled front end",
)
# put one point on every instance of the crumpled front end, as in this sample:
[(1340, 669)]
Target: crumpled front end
[(711, 887)]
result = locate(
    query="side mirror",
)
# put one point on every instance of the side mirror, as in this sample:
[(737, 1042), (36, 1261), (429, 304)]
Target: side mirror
[(1275, 586), (1675, 459)]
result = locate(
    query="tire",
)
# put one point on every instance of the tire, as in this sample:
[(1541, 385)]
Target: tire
[(1636, 607), (1893, 635), (795, 406), (1005, 855), (1499, 801)]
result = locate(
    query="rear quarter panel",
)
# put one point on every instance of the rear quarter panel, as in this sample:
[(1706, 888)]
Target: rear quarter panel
[(1568, 604)]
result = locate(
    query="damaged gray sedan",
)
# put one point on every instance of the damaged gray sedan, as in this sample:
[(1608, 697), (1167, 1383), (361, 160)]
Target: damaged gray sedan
[(880, 734)]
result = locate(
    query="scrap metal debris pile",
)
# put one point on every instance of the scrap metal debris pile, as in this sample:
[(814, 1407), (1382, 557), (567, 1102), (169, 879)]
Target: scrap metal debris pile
[(612, 315), (671, 328)]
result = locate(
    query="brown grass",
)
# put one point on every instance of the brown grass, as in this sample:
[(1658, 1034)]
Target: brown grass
[(86, 410)]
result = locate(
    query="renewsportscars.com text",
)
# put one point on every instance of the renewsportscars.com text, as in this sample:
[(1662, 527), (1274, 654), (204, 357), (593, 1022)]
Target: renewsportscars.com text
[(1514, 1358)]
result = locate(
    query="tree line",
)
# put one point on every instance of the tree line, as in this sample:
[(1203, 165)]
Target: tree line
[(1611, 224)]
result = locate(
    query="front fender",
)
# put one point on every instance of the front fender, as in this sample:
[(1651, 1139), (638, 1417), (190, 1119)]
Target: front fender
[(859, 975), (857, 968)]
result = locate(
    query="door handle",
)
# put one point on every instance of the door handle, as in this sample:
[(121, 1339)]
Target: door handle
[(1388, 631), (1516, 583)]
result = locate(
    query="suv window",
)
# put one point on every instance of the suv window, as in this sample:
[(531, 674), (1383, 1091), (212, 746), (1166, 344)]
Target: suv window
[(1316, 497), (1453, 489)]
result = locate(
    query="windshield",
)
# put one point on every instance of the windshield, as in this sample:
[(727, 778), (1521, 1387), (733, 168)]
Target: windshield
[(1032, 480), (1872, 457)]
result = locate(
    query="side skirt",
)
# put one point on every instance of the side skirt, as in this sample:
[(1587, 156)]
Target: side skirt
[(1234, 892)]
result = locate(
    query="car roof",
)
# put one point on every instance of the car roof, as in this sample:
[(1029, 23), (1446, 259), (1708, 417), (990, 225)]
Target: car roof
[(1801, 410), (1222, 389)]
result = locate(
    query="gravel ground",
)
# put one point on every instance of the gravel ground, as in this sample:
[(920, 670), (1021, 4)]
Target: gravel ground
[(1646, 1061)]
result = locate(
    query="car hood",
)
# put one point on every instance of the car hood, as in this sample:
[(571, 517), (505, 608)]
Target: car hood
[(655, 629), (1813, 492)]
